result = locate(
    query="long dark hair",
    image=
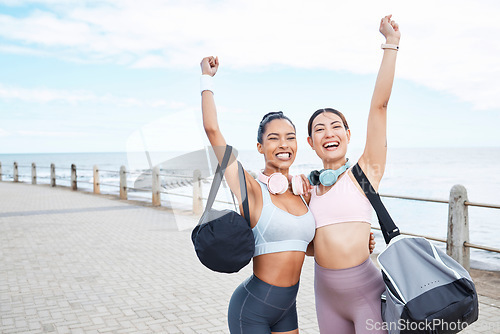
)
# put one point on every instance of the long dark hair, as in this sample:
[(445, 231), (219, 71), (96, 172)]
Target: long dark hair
[(320, 111), (268, 118)]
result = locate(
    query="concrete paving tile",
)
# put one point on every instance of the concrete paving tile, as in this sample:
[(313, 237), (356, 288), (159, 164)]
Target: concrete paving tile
[(77, 261)]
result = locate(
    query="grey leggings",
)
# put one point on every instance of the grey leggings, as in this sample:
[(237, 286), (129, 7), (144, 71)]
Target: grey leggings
[(348, 300), (257, 307)]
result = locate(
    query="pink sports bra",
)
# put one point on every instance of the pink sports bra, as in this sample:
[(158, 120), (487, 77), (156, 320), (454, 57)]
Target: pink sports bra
[(343, 203)]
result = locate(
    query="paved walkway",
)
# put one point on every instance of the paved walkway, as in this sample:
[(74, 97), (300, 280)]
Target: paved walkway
[(72, 262)]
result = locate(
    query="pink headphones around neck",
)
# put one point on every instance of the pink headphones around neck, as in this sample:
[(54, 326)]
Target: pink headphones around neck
[(277, 183)]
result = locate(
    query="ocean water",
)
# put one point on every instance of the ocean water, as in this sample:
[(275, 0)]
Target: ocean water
[(428, 173)]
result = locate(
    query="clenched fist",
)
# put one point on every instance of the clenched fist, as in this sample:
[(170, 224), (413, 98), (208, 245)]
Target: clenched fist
[(209, 65)]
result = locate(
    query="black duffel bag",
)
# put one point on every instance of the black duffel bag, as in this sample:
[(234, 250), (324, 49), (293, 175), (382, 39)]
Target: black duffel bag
[(223, 239)]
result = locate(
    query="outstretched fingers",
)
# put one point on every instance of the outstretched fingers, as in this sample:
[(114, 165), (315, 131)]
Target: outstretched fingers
[(372, 243), (389, 27), (386, 19)]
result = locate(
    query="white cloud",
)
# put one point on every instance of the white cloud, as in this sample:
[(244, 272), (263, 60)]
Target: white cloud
[(42, 95), (449, 46), (181, 130), (23, 51), (231, 111), (151, 62), (31, 133), (59, 134), (73, 97)]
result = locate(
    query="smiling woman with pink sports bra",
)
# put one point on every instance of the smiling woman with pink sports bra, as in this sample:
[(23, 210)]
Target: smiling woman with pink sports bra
[(347, 283)]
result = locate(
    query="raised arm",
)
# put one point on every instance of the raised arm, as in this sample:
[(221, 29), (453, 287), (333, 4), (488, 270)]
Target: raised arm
[(209, 66), (374, 156)]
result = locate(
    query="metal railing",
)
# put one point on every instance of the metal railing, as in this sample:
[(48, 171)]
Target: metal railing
[(457, 241), (464, 204)]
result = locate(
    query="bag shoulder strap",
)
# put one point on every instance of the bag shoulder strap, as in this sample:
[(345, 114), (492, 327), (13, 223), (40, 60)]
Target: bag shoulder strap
[(387, 225), (219, 174), (244, 194)]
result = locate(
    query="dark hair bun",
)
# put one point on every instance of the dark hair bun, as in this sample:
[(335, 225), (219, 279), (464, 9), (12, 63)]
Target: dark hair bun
[(270, 116), (280, 113)]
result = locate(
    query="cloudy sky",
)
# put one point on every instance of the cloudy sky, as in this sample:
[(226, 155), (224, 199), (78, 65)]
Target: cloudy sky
[(89, 76)]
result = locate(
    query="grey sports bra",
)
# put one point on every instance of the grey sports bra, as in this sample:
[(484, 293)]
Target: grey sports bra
[(280, 231)]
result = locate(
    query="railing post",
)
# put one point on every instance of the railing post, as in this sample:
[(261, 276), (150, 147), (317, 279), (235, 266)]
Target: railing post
[(123, 182), (197, 194), (0, 171), (52, 175), (16, 173), (155, 186), (74, 185), (97, 186), (458, 226), (33, 173)]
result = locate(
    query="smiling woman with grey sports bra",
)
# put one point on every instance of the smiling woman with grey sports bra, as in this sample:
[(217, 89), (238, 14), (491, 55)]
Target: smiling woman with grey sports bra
[(257, 306), (281, 222), (278, 231)]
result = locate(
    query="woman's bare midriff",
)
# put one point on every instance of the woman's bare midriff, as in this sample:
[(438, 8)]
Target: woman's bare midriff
[(344, 245), (279, 269)]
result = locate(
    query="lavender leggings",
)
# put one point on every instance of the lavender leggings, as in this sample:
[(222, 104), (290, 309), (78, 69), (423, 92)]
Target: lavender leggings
[(348, 300)]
